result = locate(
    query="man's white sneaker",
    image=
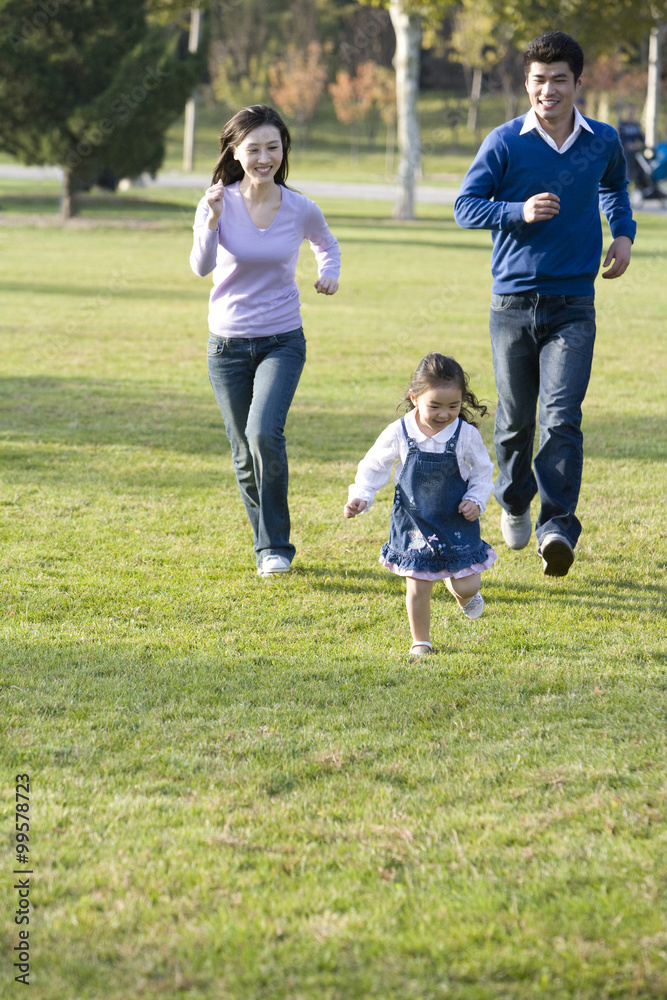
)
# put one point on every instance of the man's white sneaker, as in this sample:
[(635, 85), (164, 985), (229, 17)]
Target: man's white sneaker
[(557, 555), (273, 564), (516, 529)]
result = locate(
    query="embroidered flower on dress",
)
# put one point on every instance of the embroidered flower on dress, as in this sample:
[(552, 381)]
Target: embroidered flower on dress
[(417, 540)]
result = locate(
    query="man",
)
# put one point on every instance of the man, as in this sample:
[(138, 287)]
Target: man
[(538, 183)]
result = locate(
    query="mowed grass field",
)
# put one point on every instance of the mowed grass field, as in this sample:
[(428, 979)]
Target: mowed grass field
[(241, 788)]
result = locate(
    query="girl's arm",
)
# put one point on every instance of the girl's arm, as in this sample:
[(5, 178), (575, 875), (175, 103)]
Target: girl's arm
[(480, 467), (354, 507), (374, 472)]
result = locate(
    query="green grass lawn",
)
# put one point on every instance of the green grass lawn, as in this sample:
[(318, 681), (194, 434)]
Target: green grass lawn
[(242, 788)]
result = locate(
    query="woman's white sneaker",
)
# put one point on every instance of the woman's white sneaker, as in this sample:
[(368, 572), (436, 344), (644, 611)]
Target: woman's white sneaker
[(274, 564)]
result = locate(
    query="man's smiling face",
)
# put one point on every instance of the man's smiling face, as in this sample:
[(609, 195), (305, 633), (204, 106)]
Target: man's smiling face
[(552, 90)]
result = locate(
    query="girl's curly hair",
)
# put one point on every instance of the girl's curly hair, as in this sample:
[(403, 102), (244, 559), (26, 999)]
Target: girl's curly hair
[(440, 369)]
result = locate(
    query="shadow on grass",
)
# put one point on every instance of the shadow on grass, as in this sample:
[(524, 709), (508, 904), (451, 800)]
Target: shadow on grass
[(97, 206), (619, 598), (95, 293), (85, 411), (80, 412)]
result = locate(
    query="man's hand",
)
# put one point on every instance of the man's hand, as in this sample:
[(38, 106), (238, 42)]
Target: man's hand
[(619, 252), (354, 507), (469, 509), (541, 206)]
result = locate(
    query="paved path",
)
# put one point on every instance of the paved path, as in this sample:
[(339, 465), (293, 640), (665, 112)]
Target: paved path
[(317, 189), (426, 194)]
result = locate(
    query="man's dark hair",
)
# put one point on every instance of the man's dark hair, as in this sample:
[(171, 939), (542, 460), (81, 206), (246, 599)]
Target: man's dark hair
[(554, 46)]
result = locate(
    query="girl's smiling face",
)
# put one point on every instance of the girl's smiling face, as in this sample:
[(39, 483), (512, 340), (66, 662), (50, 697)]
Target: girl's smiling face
[(437, 408)]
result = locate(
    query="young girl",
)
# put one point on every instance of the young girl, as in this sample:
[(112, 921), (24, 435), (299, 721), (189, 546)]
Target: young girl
[(443, 479)]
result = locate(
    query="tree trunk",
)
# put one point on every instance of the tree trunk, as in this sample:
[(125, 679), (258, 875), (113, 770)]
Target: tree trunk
[(68, 206), (653, 90), (389, 151), (408, 30), (509, 93), (475, 94), (191, 106)]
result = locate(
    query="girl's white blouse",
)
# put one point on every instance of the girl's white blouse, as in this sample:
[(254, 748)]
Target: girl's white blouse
[(390, 450)]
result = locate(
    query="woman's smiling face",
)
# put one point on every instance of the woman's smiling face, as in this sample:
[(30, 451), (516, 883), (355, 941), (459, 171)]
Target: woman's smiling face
[(260, 154)]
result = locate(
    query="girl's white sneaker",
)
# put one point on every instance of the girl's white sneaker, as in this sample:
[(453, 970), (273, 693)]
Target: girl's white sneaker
[(475, 606)]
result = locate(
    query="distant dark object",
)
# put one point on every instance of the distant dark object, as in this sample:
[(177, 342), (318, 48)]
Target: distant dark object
[(653, 171), (107, 179), (644, 172)]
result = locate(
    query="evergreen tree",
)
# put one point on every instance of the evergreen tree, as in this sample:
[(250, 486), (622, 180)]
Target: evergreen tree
[(90, 85)]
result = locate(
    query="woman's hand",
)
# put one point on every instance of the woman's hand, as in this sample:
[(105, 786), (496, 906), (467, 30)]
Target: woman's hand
[(326, 286), (355, 506), (214, 196)]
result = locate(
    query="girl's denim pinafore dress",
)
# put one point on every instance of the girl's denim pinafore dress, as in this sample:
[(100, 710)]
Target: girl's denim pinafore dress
[(427, 533)]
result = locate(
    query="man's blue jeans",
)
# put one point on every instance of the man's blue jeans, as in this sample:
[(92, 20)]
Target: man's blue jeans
[(542, 349), (254, 380)]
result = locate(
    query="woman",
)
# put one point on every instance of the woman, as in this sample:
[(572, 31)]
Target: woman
[(248, 229)]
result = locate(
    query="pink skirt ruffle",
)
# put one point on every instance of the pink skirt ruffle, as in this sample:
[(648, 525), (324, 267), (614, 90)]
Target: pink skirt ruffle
[(444, 574)]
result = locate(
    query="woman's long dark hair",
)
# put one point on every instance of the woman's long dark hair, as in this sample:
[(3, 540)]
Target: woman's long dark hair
[(441, 369), (227, 169)]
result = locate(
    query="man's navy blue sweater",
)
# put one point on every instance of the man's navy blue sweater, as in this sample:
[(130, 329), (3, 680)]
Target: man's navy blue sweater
[(561, 255)]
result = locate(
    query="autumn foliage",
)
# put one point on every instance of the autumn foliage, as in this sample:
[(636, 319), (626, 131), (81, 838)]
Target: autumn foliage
[(365, 98), (297, 82)]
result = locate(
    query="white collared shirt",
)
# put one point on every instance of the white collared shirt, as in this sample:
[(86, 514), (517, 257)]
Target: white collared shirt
[(533, 122), (391, 448)]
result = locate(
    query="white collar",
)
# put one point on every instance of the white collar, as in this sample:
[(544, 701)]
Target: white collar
[(414, 431), (531, 122)]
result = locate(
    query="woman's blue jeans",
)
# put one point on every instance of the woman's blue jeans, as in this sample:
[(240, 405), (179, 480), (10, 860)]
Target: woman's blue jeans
[(254, 380), (542, 350)]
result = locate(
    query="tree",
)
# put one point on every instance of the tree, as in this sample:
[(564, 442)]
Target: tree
[(249, 36), (351, 108), (297, 82), (473, 42), (408, 28), (597, 24), (91, 86), (368, 96), (409, 19)]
